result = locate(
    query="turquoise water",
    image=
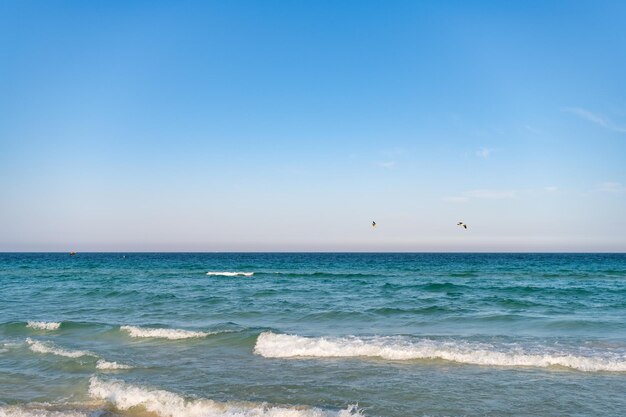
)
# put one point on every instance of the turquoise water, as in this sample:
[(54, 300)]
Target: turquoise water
[(312, 335)]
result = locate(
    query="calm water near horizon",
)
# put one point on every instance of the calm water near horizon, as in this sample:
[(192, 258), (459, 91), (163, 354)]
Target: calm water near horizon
[(312, 334)]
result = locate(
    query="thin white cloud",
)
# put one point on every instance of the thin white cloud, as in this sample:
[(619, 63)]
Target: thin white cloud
[(393, 152), (387, 164), (491, 194), (458, 199), (482, 194), (484, 153), (611, 187), (534, 130), (596, 118), (551, 188)]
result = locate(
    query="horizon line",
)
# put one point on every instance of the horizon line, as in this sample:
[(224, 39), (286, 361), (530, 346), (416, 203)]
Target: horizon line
[(319, 252)]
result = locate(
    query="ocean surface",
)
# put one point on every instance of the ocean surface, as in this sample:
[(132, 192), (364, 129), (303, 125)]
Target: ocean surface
[(312, 335)]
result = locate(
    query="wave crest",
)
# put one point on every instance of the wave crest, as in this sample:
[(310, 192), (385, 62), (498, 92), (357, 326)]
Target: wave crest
[(42, 347), (168, 404), (272, 345), (172, 334), (230, 274), (43, 325), (110, 366)]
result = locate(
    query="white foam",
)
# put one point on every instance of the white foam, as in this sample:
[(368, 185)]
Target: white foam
[(110, 366), (5, 347), (172, 334), (168, 404), (230, 274), (41, 347), (271, 345), (21, 411), (43, 325)]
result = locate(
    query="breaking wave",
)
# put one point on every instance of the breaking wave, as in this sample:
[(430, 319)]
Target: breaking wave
[(163, 403), (43, 325), (43, 347), (272, 345), (172, 334), (230, 274), (110, 366)]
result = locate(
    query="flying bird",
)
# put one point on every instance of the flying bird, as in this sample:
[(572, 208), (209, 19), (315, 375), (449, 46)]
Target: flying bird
[(373, 224), (463, 225)]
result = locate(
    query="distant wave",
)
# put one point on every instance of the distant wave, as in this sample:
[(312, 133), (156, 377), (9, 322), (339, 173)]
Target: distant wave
[(168, 404), (230, 274), (321, 274), (272, 345), (172, 334), (110, 366), (43, 325), (291, 274), (442, 286), (389, 311), (44, 347)]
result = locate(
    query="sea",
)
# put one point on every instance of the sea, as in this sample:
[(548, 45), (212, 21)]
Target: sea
[(312, 334)]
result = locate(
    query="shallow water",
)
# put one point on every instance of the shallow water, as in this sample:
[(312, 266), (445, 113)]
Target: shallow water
[(312, 335)]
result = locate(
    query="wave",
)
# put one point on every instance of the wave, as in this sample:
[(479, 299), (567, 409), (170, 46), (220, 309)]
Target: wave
[(399, 348), (390, 311), (110, 366), (321, 274), (463, 274), (230, 274), (10, 345), (25, 411), (172, 334), (43, 325), (163, 403), (42, 347), (47, 347), (443, 286)]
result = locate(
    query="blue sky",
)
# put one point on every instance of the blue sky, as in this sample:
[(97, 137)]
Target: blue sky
[(241, 125)]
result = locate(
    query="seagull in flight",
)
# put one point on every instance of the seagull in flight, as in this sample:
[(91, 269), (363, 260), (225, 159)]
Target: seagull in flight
[(461, 224), (373, 224)]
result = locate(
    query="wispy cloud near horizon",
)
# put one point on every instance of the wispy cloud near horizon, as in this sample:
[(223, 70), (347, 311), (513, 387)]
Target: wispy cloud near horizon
[(595, 118), (482, 194), (611, 187), (491, 194), (456, 199), (387, 164), (484, 153)]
